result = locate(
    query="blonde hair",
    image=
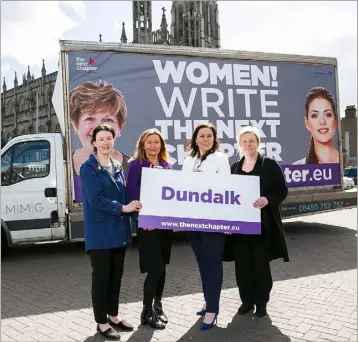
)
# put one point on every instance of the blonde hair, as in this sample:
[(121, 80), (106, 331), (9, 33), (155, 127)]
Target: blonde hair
[(245, 130), (139, 152)]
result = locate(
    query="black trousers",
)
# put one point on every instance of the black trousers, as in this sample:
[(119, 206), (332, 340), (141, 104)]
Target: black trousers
[(208, 249), (154, 249), (252, 269), (153, 286), (107, 271)]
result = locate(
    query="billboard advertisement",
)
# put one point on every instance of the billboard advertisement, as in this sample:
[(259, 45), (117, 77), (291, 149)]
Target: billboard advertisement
[(293, 105)]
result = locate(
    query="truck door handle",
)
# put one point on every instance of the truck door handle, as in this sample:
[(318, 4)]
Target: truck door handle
[(50, 192)]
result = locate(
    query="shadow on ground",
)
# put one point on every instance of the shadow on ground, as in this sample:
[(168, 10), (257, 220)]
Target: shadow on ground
[(242, 328), (48, 278)]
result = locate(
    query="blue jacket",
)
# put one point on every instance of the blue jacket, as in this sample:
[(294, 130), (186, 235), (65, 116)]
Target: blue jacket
[(106, 227)]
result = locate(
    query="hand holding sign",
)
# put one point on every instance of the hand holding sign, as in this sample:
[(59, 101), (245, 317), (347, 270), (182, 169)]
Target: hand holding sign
[(132, 206), (261, 202), (152, 166)]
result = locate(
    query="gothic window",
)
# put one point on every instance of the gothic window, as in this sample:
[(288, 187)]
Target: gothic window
[(141, 15), (205, 13), (21, 104), (212, 22), (30, 101), (10, 107), (49, 93)]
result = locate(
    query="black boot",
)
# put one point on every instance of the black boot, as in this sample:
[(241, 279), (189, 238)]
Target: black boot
[(158, 310), (245, 308), (148, 317), (260, 310)]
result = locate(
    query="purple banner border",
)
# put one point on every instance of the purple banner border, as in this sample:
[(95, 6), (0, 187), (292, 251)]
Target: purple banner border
[(164, 222)]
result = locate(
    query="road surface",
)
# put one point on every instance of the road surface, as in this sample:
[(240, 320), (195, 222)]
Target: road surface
[(46, 291)]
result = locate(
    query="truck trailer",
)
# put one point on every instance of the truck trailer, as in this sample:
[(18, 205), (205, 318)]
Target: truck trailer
[(134, 87)]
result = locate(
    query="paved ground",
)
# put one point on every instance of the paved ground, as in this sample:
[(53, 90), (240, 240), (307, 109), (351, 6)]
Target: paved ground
[(46, 292)]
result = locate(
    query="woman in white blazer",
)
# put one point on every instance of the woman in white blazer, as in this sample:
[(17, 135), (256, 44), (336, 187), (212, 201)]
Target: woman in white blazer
[(208, 247)]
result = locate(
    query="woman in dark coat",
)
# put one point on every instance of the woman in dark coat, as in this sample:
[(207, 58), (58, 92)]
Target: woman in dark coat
[(154, 244), (106, 212), (252, 253)]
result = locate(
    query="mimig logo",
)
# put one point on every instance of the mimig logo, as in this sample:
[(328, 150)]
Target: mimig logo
[(84, 64)]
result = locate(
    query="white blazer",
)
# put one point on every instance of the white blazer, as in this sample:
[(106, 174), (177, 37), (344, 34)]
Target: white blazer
[(216, 162)]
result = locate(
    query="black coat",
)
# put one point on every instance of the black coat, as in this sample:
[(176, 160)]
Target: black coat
[(274, 188)]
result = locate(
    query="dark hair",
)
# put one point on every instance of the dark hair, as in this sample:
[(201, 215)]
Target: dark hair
[(314, 93), (98, 129), (193, 148)]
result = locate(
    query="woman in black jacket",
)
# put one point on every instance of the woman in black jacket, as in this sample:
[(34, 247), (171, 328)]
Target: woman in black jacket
[(252, 253)]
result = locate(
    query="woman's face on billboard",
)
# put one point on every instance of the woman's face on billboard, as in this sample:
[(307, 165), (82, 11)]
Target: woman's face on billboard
[(87, 122), (321, 122)]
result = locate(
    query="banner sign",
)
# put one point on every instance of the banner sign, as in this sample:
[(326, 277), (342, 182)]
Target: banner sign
[(199, 201), (297, 122)]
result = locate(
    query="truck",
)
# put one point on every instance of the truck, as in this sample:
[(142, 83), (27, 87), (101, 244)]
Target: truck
[(171, 88)]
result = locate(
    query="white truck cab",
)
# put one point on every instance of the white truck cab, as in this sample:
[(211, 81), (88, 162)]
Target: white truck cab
[(33, 202)]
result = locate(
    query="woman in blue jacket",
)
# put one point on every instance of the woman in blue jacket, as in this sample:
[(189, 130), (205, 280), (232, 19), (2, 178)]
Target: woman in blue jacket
[(107, 229)]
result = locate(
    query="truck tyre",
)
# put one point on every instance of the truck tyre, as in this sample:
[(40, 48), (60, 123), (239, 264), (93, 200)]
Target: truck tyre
[(4, 244)]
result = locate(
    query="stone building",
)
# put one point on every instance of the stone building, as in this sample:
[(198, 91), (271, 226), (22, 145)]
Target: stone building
[(27, 107), (193, 23), (349, 135)]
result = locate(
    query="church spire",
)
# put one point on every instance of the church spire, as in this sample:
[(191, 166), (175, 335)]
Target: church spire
[(123, 36), (16, 83), (4, 86), (164, 25), (43, 70), (28, 73)]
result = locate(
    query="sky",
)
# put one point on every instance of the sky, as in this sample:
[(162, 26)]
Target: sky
[(30, 31)]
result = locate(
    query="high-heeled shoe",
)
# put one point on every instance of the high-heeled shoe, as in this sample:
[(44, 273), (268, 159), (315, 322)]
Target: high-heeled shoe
[(206, 326)]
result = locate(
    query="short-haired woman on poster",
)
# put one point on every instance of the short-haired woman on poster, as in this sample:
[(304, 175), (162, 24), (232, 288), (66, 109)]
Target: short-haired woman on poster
[(92, 104)]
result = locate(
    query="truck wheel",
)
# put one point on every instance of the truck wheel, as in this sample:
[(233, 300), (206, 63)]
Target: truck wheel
[(4, 244)]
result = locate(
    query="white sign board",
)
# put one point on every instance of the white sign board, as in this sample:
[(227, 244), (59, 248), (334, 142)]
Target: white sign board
[(199, 201)]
